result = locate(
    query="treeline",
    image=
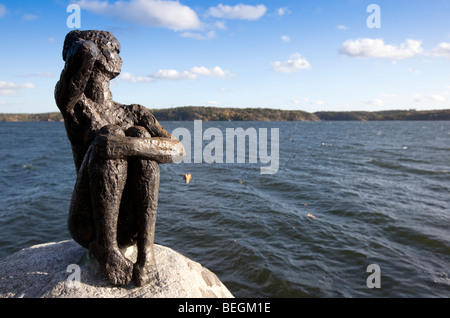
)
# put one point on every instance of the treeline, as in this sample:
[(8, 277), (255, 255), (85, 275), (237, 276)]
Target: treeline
[(31, 117), (258, 114), (232, 114), (386, 115)]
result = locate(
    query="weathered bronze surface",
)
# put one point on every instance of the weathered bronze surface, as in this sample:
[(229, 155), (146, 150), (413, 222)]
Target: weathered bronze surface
[(117, 150)]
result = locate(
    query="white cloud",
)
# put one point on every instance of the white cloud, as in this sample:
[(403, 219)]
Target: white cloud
[(375, 102), (215, 71), (283, 11), (443, 49), (239, 11), (9, 88), (319, 102), (128, 77), (155, 13), (376, 48), (39, 74), (299, 101), (436, 98), (220, 25), (387, 95), (341, 27), (174, 75), (3, 10), (285, 38), (294, 64), (51, 40), (198, 36)]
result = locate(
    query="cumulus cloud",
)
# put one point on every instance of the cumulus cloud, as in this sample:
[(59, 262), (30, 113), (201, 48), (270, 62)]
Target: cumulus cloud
[(375, 102), (376, 48), (239, 11), (433, 97), (215, 71), (285, 38), (296, 63), (319, 102), (220, 25), (436, 98), (443, 49), (283, 11), (39, 74), (341, 27), (128, 77), (9, 88), (174, 75), (155, 13), (191, 74), (199, 36)]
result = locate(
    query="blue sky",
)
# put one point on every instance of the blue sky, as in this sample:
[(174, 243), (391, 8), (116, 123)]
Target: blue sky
[(297, 55)]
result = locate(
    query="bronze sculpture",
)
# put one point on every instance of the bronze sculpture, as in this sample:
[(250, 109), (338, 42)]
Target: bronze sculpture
[(117, 150)]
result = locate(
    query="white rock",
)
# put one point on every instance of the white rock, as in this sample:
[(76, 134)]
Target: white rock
[(43, 271)]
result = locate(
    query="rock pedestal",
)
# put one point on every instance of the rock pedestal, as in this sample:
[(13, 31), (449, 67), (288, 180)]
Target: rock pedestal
[(64, 270)]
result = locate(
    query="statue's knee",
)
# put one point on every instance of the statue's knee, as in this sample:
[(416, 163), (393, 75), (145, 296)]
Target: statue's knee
[(112, 130), (138, 131), (108, 144)]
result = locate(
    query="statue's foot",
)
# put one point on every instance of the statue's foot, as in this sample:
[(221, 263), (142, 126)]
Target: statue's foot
[(145, 273), (117, 268)]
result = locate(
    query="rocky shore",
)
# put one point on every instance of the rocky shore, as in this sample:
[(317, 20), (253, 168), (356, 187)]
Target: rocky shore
[(65, 270)]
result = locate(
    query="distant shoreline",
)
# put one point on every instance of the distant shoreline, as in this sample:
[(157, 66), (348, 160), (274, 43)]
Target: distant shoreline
[(190, 113)]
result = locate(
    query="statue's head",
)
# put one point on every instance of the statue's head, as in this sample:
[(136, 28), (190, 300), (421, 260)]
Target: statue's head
[(110, 62)]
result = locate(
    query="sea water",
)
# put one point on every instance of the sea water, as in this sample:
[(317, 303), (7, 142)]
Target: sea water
[(347, 196)]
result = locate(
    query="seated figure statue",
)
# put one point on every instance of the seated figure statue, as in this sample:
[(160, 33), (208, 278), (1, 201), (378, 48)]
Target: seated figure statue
[(117, 150)]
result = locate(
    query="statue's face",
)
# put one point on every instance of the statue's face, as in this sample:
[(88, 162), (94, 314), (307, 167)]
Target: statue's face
[(110, 61)]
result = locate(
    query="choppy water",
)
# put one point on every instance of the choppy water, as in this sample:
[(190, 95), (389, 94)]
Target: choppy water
[(379, 192)]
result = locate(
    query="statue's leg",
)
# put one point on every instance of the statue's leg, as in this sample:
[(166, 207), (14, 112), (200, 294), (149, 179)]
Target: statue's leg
[(80, 222), (144, 184), (107, 178)]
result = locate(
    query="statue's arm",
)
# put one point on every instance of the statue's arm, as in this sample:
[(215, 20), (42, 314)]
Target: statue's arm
[(161, 150), (144, 118), (80, 61), (163, 147)]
